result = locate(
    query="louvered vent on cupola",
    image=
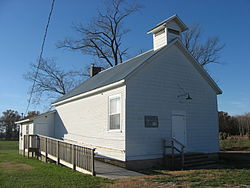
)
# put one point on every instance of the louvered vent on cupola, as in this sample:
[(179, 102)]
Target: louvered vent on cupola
[(166, 31)]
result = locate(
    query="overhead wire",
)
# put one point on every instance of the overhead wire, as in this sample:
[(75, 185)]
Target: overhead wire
[(40, 55)]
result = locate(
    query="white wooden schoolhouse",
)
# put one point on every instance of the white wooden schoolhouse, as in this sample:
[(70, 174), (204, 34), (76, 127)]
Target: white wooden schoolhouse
[(126, 111)]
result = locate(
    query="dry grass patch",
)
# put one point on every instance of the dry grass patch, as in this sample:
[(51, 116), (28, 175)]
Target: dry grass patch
[(10, 167), (134, 182), (204, 178), (187, 178), (235, 143)]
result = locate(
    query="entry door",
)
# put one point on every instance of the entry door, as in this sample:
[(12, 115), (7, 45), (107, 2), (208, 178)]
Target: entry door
[(179, 127)]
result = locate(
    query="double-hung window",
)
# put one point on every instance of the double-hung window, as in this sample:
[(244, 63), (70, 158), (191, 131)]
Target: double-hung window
[(27, 129), (115, 112)]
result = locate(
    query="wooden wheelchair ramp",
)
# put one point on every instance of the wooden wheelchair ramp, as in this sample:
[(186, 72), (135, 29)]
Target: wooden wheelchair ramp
[(74, 156)]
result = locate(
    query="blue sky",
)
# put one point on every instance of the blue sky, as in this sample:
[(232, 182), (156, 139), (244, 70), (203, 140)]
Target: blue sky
[(22, 25)]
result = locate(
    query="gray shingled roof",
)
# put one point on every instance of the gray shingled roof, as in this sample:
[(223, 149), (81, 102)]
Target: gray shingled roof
[(108, 76)]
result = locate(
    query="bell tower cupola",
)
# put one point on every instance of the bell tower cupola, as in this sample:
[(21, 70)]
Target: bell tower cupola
[(167, 31)]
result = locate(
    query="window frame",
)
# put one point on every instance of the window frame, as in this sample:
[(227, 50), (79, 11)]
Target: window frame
[(27, 129), (109, 108), (151, 126)]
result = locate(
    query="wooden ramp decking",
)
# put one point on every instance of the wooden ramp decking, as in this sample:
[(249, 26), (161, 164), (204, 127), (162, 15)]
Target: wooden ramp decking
[(110, 171)]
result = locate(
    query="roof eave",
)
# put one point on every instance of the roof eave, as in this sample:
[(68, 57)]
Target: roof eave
[(163, 23), (34, 117), (23, 121), (89, 93)]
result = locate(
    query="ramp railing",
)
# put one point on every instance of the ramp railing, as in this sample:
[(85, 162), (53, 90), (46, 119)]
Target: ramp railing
[(72, 155)]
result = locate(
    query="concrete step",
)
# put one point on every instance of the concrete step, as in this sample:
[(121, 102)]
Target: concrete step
[(193, 161), (204, 166), (188, 156), (196, 160), (198, 164), (196, 156)]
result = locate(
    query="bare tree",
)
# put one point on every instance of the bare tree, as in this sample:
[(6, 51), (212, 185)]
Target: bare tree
[(243, 123), (235, 125), (103, 37), (31, 114), (228, 125), (51, 80), (205, 53)]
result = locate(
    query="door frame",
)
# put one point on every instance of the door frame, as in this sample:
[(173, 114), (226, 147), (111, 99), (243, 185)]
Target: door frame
[(180, 113)]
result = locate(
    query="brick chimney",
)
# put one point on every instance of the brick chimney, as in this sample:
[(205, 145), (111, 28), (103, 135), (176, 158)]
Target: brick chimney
[(93, 70)]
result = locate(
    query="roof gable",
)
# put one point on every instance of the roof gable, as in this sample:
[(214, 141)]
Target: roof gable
[(192, 60), (127, 69), (199, 68)]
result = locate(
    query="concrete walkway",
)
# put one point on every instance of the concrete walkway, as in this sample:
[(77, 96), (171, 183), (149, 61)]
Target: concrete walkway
[(109, 171)]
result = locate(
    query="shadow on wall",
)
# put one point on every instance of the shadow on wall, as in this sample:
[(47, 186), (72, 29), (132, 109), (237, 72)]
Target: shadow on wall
[(60, 129)]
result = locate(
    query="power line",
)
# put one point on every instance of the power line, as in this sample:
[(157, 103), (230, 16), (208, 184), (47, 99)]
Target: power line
[(41, 54)]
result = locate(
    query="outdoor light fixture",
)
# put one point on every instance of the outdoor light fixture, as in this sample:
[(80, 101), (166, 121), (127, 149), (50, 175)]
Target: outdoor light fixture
[(186, 95)]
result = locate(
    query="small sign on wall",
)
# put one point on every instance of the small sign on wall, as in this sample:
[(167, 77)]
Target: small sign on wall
[(151, 121)]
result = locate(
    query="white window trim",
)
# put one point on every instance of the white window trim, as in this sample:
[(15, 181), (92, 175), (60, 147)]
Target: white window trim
[(27, 129), (108, 126)]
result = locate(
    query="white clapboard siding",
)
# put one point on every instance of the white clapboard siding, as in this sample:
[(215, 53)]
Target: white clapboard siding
[(44, 125), (153, 91), (59, 128), (86, 121), (160, 40), (163, 37)]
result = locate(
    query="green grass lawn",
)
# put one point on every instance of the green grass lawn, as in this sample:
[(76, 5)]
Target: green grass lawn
[(204, 178), (19, 171), (237, 144)]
